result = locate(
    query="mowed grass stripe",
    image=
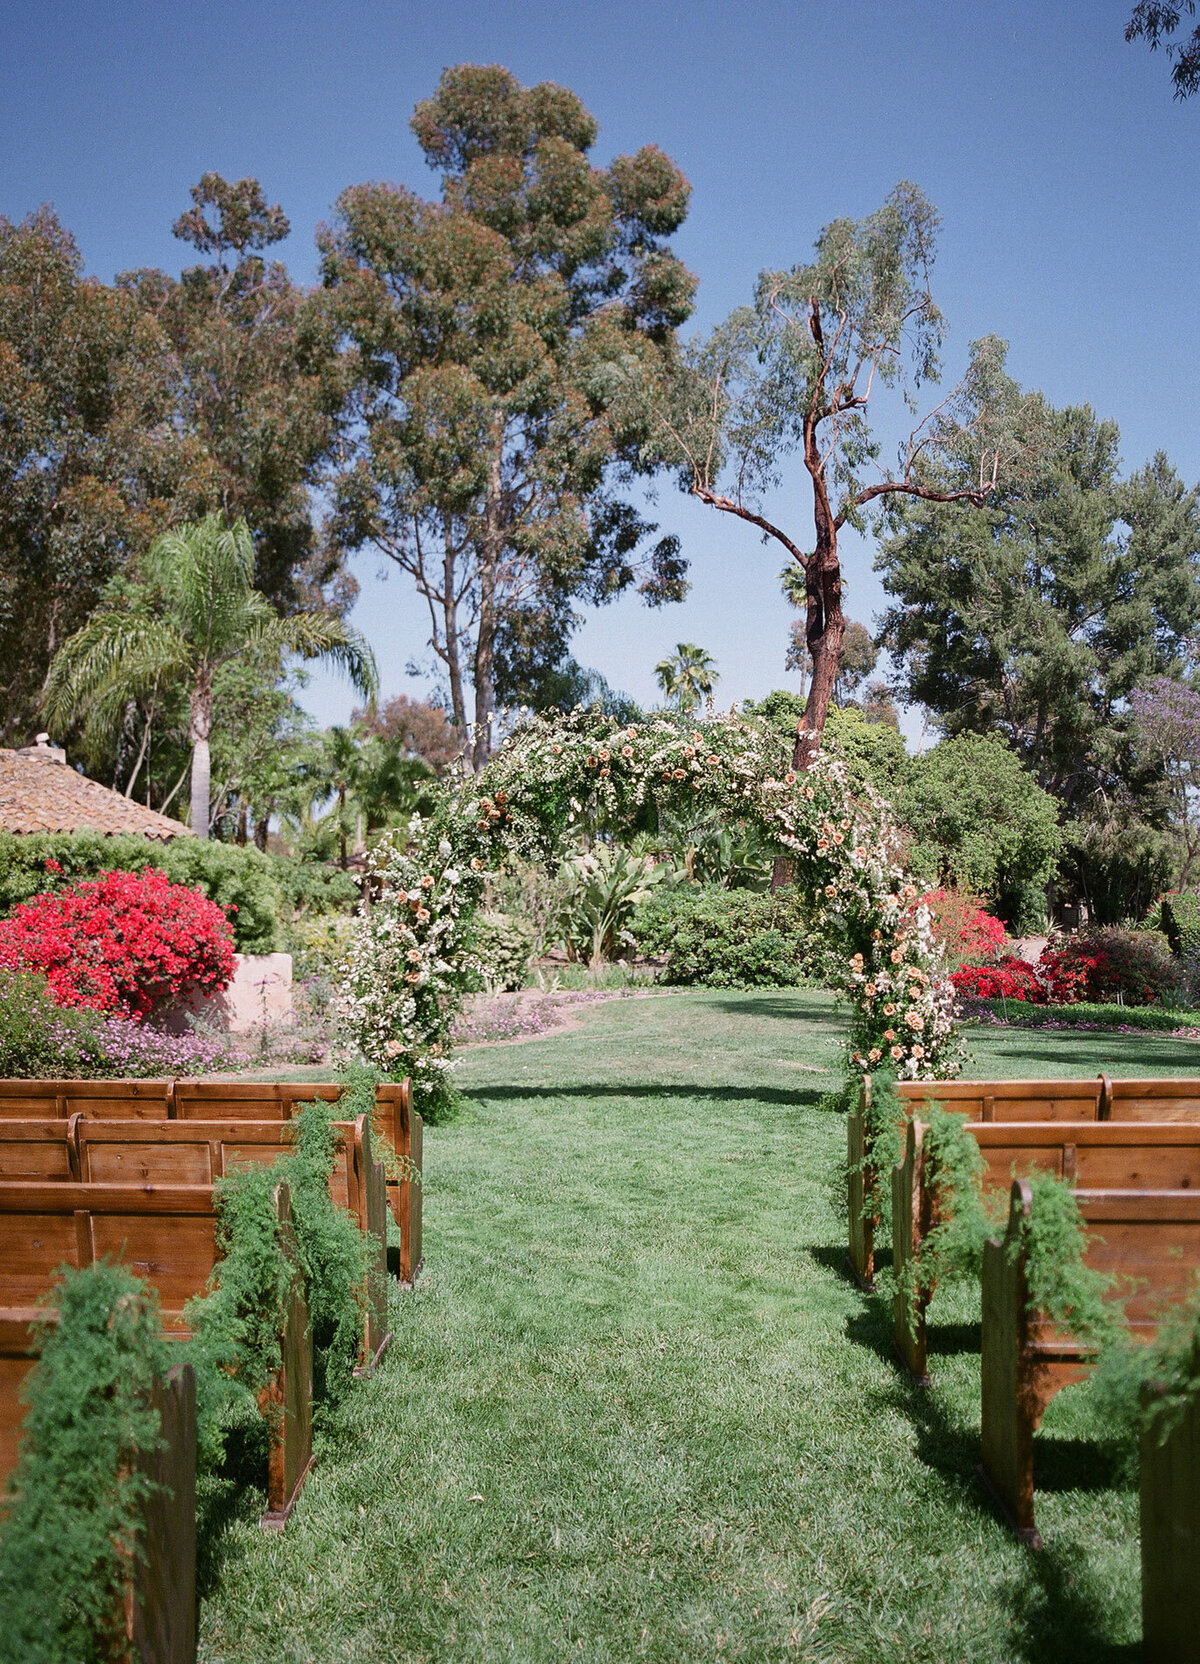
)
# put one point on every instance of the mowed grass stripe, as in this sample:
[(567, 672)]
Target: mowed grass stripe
[(636, 1410)]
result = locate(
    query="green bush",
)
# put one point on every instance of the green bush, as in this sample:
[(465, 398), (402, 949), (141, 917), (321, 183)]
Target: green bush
[(1180, 913), (1163, 1019), (232, 876), (40, 1040), (503, 944), (716, 938)]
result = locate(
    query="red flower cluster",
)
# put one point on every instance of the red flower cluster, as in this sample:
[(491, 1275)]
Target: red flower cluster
[(1010, 979), (971, 933), (123, 942)]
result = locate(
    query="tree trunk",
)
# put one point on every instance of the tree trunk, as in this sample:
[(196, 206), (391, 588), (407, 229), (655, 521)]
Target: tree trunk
[(825, 625), (485, 646), (458, 704), (342, 826), (200, 733)]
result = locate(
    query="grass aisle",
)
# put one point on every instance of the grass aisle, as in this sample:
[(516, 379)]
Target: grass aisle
[(636, 1410)]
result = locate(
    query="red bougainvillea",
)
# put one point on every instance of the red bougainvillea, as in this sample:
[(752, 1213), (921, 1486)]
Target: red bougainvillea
[(124, 942), (971, 934), (1010, 979)]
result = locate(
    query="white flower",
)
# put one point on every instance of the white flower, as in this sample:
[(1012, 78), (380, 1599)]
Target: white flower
[(451, 875)]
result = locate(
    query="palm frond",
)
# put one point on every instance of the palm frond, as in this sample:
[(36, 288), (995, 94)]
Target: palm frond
[(129, 648)]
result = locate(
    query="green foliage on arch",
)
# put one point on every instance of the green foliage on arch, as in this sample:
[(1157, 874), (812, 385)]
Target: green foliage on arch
[(405, 974)]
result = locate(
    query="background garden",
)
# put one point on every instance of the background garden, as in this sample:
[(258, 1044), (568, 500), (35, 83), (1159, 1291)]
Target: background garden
[(636, 1405)]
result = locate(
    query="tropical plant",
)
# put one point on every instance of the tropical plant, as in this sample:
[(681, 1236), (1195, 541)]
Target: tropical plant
[(196, 610), (371, 779), (687, 676), (713, 849), (605, 883)]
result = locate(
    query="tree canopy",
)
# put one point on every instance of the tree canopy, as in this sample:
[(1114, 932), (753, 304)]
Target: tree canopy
[(1037, 615), (496, 333)]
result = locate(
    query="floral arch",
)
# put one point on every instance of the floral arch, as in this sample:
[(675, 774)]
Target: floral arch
[(405, 969)]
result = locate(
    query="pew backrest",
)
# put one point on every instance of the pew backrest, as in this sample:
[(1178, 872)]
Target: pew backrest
[(1007, 1100), (58, 1100)]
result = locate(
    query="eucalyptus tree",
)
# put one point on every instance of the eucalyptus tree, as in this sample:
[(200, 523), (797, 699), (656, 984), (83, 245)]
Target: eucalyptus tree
[(257, 384), (198, 610), (503, 339), (796, 371), (687, 676), (1155, 21)]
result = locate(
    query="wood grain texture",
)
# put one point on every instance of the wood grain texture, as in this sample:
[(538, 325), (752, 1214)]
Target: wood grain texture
[(162, 1603), (1149, 1242)]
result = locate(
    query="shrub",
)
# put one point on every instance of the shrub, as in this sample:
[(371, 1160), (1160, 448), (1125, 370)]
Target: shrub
[(730, 938), (503, 944), (1135, 966), (603, 886), (1008, 979), (1180, 914), (233, 877), (124, 942), (40, 1040), (972, 935)]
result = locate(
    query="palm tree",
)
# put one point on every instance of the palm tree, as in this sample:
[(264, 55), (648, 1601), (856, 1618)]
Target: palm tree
[(372, 782), (687, 677), (204, 611)]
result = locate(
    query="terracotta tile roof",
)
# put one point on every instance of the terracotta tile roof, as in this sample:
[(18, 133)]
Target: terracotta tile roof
[(39, 793)]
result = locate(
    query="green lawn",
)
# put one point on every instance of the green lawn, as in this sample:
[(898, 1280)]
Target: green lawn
[(635, 1408)]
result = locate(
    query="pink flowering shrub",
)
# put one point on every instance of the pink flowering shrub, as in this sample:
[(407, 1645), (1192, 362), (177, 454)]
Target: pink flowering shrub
[(125, 943)]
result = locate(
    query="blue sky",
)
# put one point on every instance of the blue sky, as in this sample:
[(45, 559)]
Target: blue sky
[(1065, 173)]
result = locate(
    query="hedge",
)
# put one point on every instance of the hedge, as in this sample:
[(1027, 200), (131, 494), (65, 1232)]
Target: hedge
[(232, 876)]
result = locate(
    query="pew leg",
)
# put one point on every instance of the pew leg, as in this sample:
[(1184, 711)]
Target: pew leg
[(861, 1203), (1170, 1517), (288, 1406), (1010, 1409), (162, 1617), (908, 1303)]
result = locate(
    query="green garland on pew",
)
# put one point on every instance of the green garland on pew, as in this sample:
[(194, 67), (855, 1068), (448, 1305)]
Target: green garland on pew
[(953, 1249), (71, 1529), (77, 1492)]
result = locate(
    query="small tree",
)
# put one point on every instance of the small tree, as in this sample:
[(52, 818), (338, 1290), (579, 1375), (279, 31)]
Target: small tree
[(796, 372), (980, 822)]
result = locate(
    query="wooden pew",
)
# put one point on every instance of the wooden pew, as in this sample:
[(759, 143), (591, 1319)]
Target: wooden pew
[(167, 1235), (1170, 1522), (1003, 1100), (214, 1100), (1149, 1241), (58, 1100), (400, 1124), (1094, 1155), (201, 1152)]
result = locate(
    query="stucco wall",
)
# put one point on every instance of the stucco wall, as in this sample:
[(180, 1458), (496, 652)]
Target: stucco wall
[(260, 993)]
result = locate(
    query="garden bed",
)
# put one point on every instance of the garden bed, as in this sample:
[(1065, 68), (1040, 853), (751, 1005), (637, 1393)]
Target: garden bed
[(1122, 1019)]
